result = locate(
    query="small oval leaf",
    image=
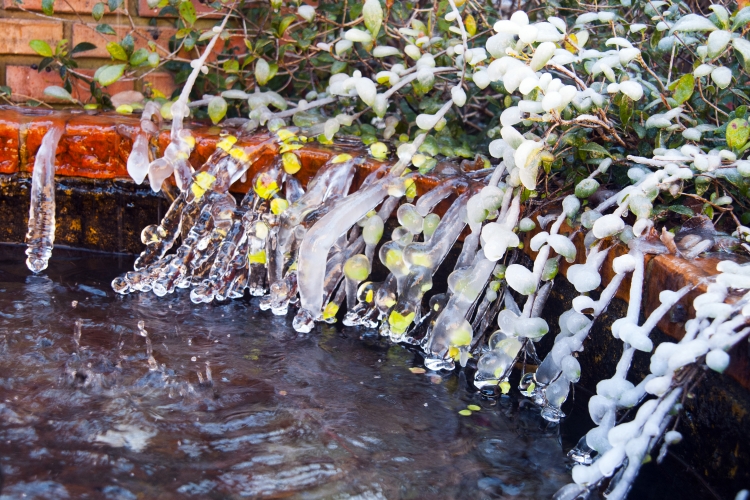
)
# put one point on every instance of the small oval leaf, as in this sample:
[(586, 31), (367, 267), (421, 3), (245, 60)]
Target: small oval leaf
[(41, 47), (110, 74), (217, 108), (58, 93)]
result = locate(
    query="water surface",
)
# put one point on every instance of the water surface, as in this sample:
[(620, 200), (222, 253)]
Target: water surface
[(236, 404)]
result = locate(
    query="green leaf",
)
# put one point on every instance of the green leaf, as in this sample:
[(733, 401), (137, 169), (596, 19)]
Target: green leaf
[(105, 29), (284, 24), (338, 67), (128, 44), (684, 88), (742, 46), (113, 4), (231, 66), (98, 11), (702, 183), (187, 12), (217, 109), (48, 7), (732, 176), (82, 47), (116, 51), (5, 90), (273, 68), (682, 210), (596, 149), (627, 106), (41, 47), (738, 133), (110, 74), (139, 57), (58, 93), (741, 19), (262, 72), (372, 12), (45, 62)]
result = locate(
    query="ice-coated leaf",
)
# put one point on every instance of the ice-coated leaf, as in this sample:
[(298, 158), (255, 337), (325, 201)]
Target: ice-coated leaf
[(542, 55), (722, 77), (217, 109), (563, 246), (496, 239), (586, 188), (520, 279), (632, 89), (373, 16), (307, 12), (385, 51), (717, 42), (741, 19), (533, 328), (458, 95), (608, 225), (742, 46), (262, 72), (717, 360), (357, 35), (693, 22)]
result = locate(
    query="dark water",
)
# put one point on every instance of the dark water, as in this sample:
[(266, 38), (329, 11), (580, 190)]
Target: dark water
[(325, 415)]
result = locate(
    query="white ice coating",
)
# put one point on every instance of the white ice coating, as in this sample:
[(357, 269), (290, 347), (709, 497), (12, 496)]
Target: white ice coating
[(40, 236)]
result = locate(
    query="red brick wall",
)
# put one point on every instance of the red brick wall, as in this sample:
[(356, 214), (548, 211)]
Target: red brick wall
[(22, 22)]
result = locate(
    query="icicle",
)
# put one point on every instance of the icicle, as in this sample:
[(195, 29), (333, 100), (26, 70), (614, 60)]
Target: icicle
[(40, 236), (138, 160), (421, 261), (318, 242), (452, 330)]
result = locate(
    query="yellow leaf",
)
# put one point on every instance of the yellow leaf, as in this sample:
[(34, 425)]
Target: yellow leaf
[(227, 143), (569, 46), (342, 158), (291, 163), (471, 25)]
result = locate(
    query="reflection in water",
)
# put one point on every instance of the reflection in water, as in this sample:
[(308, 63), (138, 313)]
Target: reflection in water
[(234, 403)]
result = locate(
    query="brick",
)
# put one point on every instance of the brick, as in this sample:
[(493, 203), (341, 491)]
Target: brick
[(163, 82), (91, 147), (141, 36), (26, 82), (9, 128), (202, 9), (69, 7), (17, 33)]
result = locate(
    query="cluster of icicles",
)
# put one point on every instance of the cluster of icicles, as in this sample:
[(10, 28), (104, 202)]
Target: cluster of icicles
[(314, 248)]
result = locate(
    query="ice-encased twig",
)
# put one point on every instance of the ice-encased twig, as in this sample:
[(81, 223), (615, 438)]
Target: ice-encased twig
[(40, 236)]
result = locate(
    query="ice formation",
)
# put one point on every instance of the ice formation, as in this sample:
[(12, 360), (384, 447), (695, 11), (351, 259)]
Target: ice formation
[(40, 236)]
